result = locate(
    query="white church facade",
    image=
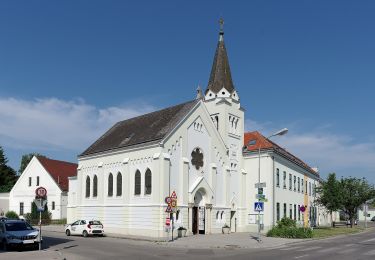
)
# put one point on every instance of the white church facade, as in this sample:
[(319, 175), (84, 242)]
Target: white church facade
[(195, 149)]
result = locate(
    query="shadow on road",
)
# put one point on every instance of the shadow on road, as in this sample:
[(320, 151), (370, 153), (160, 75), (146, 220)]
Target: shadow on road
[(53, 241)]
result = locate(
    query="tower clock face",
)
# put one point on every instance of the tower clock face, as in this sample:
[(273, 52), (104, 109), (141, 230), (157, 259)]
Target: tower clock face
[(197, 158)]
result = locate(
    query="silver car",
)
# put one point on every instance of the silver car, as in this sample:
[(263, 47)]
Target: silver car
[(18, 233)]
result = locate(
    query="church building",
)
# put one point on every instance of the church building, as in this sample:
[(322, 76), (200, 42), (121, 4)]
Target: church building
[(194, 149)]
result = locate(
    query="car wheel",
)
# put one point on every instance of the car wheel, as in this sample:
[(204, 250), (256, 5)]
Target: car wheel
[(67, 232), (85, 234)]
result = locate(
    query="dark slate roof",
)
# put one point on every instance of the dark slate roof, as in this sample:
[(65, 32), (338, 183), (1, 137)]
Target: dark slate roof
[(220, 73), (142, 129)]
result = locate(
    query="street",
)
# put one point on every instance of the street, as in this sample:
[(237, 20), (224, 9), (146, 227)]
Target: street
[(59, 246)]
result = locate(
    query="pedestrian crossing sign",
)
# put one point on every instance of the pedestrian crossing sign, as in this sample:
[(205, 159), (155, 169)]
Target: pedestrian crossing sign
[(258, 206)]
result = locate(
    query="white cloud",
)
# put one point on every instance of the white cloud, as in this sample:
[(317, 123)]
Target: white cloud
[(53, 124), (320, 147)]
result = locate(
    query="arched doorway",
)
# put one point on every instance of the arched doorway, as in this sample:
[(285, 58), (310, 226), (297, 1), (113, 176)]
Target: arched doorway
[(199, 213)]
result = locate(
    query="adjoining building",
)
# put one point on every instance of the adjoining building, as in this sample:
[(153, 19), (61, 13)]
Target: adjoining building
[(4, 203), (289, 185), (50, 174), (194, 149)]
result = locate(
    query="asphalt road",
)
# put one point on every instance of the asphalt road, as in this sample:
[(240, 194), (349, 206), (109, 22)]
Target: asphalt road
[(59, 246)]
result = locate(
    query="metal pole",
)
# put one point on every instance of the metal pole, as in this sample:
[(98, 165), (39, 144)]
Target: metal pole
[(40, 227), (258, 193)]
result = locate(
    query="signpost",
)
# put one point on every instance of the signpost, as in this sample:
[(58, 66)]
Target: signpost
[(259, 206), (40, 202), (172, 207)]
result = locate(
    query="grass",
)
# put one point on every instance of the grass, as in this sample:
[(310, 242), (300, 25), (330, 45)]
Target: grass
[(323, 232)]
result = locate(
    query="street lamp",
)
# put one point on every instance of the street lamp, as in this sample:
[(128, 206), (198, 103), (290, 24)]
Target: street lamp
[(280, 132)]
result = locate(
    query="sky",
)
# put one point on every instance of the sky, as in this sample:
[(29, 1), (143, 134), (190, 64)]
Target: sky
[(70, 69)]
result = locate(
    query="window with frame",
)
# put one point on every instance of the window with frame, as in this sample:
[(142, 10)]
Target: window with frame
[(306, 188), (290, 181), (294, 183), (284, 180), (87, 186), (309, 188), (21, 208), (119, 184), (277, 177), (313, 189), (137, 183), (148, 182), (53, 205), (37, 180), (95, 186), (284, 210), (299, 212), (295, 212), (299, 184), (277, 211), (290, 211), (110, 185), (29, 181)]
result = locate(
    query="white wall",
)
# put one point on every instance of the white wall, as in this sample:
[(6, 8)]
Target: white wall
[(22, 192), (4, 203)]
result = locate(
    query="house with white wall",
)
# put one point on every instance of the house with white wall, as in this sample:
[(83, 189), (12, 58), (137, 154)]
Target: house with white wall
[(289, 185), (43, 172), (4, 203)]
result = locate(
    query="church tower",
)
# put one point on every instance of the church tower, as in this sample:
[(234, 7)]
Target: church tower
[(223, 104)]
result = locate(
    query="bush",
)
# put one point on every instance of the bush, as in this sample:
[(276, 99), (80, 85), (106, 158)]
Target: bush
[(286, 222), (11, 214), (287, 228), (290, 232), (58, 221)]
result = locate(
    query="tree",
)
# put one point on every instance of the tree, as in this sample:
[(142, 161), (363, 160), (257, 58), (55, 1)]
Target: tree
[(8, 176), (355, 192), (329, 194), (26, 158)]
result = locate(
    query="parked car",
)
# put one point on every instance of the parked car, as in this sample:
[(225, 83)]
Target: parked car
[(18, 233), (373, 218), (85, 228)]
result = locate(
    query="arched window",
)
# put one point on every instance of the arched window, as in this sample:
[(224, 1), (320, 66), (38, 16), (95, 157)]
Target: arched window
[(217, 215), (148, 181), (177, 215), (110, 185), (87, 186), (119, 184), (95, 188), (137, 183)]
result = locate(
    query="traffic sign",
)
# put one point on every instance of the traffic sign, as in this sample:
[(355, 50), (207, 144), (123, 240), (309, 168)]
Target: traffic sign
[(258, 206), (167, 221), (302, 208), (40, 204), (169, 209), (41, 192), (260, 196), (168, 200), (174, 195), (260, 190), (260, 185)]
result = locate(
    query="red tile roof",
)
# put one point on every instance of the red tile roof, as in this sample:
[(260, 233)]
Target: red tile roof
[(59, 171), (266, 144)]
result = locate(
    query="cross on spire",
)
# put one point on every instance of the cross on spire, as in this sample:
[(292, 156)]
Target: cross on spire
[(221, 22)]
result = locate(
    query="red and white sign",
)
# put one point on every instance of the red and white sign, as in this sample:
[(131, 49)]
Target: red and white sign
[(302, 208), (167, 221), (41, 192)]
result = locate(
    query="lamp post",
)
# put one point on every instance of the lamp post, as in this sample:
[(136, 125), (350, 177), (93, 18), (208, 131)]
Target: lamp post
[(280, 132)]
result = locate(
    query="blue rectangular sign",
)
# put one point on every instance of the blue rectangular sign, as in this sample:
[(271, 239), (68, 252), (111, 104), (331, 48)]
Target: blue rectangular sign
[(259, 206)]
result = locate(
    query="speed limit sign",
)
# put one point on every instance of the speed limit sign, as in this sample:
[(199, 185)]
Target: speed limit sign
[(41, 192)]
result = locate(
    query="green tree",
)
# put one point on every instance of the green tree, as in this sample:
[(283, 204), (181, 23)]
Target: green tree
[(26, 158), (355, 192), (329, 194), (8, 176)]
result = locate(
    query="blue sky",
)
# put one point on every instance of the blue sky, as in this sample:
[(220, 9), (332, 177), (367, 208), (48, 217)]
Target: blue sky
[(70, 69)]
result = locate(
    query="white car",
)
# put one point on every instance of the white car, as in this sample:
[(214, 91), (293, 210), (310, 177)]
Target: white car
[(85, 228)]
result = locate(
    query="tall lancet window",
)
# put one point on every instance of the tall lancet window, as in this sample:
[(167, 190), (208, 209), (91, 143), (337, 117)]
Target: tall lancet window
[(137, 183), (110, 185), (148, 182), (119, 184), (87, 186), (95, 186)]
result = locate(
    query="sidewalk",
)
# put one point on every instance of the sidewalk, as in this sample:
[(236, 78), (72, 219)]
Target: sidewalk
[(228, 241)]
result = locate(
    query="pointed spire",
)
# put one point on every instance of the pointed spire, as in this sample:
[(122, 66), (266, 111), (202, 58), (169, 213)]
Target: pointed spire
[(199, 93), (220, 73)]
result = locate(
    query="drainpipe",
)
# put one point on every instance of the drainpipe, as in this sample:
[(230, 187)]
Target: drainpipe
[(273, 191)]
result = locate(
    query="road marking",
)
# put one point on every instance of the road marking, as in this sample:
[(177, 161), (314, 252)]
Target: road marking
[(291, 248), (297, 257), (326, 250), (309, 248), (368, 240), (372, 252), (346, 251)]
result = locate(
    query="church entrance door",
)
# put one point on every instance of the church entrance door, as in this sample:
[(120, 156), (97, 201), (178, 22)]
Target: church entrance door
[(195, 220)]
